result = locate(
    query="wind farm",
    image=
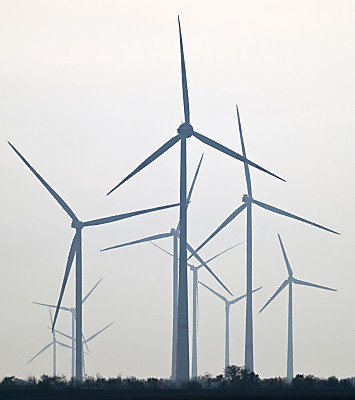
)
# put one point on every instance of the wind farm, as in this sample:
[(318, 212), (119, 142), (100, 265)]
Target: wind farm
[(264, 169)]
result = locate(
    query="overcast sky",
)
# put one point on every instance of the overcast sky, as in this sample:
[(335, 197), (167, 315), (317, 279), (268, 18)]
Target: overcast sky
[(90, 88)]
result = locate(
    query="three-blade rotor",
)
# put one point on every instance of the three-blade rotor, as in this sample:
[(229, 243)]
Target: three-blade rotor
[(291, 279)]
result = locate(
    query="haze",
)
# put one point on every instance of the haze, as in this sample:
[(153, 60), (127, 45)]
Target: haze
[(91, 88)]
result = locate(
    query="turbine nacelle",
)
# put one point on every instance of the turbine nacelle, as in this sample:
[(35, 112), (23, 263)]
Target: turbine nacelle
[(76, 224), (246, 199), (185, 130)]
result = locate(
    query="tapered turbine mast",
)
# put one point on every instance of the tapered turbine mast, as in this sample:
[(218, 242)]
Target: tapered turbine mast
[(76, 250), (288, 282), (248, 201), (185, 131)]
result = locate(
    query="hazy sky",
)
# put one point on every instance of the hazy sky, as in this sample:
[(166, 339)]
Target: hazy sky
[(91, 88)]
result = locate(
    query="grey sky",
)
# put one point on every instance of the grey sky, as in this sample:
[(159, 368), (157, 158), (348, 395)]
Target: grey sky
[(90, 88)]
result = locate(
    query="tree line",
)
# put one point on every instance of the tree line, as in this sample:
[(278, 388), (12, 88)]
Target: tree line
[(235, 380)]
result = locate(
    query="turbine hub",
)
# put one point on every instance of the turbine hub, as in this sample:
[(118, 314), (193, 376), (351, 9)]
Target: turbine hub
[(246, 198), (185, 130), (76, 224)]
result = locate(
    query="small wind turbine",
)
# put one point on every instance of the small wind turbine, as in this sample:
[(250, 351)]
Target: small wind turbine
[(53, 343), (288, 282), (185, 131), (248, 201), (72, 312), (76, 250), (227, 304)]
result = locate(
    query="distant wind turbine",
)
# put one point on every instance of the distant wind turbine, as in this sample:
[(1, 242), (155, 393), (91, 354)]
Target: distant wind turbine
[(72, 312), (76, 250), (227, 304), (248, 201), (53, 343), (288, 282), (185, 131)]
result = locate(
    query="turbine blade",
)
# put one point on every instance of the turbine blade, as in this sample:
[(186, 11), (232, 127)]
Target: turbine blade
[(84, 299), (283, 285), (72, 252), (44, 348), (229, 219), (194, 181), (231, 153), (191, 189), (304, 283), (185, 92), (50, 315), (287, 214), (288, 266), (214, 292), (242, 297), (63, 334), (192, 251), (61, 202), (222, 252), (52, 306), (84, 342), (98, 333), (63, 344), (165, 251), (119, 217), (146, 239), (149, 160), (246, 166)]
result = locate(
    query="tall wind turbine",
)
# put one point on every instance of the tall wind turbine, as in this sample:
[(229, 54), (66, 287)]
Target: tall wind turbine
[(248, 201), (227, 304), (185, 131), (288, 282), (76, 250), (53, 343), (72, 312)]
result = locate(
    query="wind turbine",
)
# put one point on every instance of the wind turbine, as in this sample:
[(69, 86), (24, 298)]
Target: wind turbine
[(53, 343), (72, 312), (76, 250), (288, 282), (227, 304), (185, 131), (248, 201)]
